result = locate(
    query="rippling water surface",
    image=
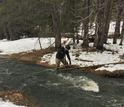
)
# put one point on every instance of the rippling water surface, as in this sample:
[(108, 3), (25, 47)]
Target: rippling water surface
[(50, 88)]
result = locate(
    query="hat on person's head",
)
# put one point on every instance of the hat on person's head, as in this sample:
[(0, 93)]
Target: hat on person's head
[(67, 47)]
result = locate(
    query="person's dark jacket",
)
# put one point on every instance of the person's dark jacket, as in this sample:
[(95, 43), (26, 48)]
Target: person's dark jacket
[(61, 54)]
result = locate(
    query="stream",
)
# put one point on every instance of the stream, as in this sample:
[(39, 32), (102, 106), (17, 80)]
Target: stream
[(50, 88)]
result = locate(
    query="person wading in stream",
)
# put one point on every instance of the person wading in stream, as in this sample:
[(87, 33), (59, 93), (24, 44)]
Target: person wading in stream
[(61, 54)]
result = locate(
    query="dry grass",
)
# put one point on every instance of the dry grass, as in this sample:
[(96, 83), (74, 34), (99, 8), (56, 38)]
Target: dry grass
[(16, 97), (34, 56), (105, 73)]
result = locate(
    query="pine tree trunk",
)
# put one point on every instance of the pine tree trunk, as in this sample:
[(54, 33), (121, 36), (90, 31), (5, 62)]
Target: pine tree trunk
[(73, 25), (103, 20), (77, 38), (107, 16), (117, 26), (85, 38), (2, 35), (100, 25), (12, 33), (85, 24), (6, 33), (56, 26)]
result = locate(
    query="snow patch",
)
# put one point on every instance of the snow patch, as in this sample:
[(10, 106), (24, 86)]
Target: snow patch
[(24, 45), (8, 104), (111, 67)]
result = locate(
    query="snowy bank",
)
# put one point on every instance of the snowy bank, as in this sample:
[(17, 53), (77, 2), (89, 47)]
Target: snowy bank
[(91, 58), (112, 67), (24, 45), (78, 56), (8, 104)]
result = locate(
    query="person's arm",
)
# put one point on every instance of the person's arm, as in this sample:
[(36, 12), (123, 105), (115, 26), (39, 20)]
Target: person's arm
[(68, 56)]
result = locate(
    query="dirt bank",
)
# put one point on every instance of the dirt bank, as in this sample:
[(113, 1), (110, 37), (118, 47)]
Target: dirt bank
[(17, 97)]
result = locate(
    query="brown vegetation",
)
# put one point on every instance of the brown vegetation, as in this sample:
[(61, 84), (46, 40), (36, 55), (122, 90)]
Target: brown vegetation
[(17, 98), (34, 56)]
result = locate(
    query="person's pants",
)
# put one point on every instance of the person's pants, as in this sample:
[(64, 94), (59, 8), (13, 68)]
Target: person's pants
[(58, 61)]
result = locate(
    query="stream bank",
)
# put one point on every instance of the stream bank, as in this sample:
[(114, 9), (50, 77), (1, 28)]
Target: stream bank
[(34, 57)]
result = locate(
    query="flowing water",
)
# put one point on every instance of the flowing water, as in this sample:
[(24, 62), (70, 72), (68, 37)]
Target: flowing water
[(50, 88)]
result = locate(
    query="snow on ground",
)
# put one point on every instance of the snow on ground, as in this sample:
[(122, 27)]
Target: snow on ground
[(78, 57), (8, 104), (112, 27), (115, 47), (112, 67), (86, 58), (24, 45), (83, 58)]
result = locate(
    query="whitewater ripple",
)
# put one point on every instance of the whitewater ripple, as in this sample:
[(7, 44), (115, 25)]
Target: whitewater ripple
[(81, 82)]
